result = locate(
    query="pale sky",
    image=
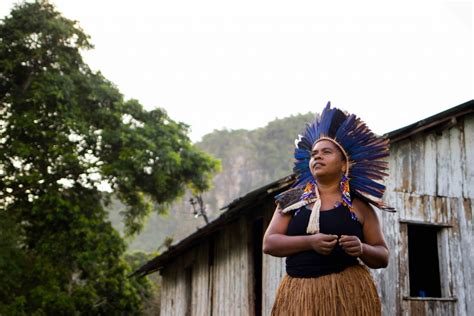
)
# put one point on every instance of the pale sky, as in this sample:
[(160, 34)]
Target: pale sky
[(240, 64)]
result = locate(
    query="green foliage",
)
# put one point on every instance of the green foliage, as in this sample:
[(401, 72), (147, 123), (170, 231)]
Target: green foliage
[(137, 259), (67, 136), (148, 286)]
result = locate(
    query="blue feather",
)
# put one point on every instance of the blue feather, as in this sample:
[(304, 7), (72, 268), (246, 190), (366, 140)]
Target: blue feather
[(364, 148)]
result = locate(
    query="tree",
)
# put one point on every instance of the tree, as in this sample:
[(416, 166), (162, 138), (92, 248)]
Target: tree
[(68, 141)]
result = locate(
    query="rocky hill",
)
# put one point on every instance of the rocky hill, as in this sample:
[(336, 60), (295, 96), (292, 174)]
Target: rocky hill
[(250, 159)]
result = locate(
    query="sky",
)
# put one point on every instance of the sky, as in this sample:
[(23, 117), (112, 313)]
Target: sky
[(216, 64)]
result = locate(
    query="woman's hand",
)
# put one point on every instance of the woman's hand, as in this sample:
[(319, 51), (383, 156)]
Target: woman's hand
[(351, 245), (322, 243)]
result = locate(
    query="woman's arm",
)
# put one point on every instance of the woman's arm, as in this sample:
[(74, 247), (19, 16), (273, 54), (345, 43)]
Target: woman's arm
[(278, 244), (374, 251)]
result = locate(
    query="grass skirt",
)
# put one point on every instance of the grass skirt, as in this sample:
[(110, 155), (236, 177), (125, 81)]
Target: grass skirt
[(350, 292)]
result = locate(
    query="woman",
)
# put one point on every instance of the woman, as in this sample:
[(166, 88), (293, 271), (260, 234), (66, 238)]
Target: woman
[(325, 226)]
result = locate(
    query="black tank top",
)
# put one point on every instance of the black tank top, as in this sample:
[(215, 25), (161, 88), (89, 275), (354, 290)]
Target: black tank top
[(337, 221)]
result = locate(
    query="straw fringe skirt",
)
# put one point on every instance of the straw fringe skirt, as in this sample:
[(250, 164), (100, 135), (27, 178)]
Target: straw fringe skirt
[(350, 292)]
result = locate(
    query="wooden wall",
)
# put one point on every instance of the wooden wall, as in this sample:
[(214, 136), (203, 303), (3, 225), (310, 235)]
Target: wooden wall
[(273, 269), (432, 182), (223, 288), (233, 274), (174, 285)]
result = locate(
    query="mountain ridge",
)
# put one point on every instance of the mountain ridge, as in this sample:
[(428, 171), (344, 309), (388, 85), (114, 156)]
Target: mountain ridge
[(249, 158)]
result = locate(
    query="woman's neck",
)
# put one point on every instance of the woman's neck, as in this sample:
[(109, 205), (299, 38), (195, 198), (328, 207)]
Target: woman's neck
[(330, 195), (328, 188)]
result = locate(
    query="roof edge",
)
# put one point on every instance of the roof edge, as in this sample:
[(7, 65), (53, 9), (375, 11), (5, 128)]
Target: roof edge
[(429, 122)]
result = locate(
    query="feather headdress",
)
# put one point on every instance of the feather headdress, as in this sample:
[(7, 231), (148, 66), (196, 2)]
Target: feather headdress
[(364, 153)]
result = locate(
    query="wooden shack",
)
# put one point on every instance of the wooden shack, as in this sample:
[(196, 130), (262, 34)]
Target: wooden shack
[(220, 269)]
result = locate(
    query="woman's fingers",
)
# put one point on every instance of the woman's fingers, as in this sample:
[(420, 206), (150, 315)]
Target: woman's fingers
[(328, 238), (323, 243), (330, 244), (351, 245)]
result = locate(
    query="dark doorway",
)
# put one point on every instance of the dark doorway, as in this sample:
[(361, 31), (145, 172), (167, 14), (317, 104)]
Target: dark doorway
[(423, 261)]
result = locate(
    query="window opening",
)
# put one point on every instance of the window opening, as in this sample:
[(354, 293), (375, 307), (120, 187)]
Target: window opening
[(423, 261)]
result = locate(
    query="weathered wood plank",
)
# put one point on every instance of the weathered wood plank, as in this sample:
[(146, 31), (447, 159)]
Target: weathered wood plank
[(240, 285), (468, 176), (464, 262), (403, 262), (226, 300), (444, 263), (421, 208), (216, 271), (180, 290), (272, 271), (164, 291), (457, 155), (429, 307), (387, 288), (201, 280), (247, 297), (430, 171), (417, 161), (443, 159), (401, 169)]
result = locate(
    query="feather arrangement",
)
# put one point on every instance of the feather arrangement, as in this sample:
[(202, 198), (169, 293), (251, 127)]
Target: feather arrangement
[(365, 153)]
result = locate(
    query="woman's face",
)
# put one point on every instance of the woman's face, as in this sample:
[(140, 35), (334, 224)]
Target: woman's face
[(327, 161)]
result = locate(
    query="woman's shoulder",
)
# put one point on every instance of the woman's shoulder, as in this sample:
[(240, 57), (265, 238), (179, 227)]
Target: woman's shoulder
[(360, 203), (362, 209)]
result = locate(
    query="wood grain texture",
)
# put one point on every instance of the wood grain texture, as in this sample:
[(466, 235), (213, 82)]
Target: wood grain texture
[(431, 182)]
